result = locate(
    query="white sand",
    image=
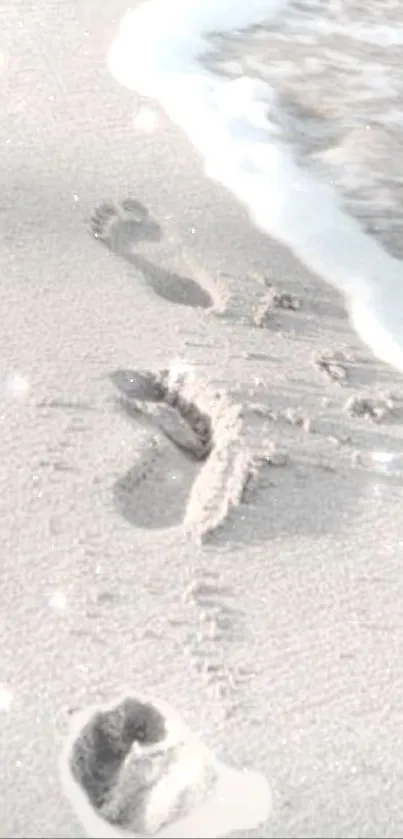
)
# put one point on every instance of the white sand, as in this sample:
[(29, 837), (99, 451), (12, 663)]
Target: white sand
[(279, 638)]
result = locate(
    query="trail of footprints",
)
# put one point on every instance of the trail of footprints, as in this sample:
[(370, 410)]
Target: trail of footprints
[(133, 764), (198, 455)]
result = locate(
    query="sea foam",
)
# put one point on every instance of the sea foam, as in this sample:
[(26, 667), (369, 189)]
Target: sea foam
[(234, 126)]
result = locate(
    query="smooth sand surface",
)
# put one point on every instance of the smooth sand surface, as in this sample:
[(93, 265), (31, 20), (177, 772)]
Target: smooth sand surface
[(254, 584)]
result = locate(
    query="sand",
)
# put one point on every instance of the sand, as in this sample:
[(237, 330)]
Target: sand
[(201, 463)]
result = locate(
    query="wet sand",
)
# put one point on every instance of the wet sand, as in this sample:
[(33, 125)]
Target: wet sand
[(201, 463)]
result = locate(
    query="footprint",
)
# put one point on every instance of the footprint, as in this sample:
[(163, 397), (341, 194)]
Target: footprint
[(156, 398), (201, 463), (132, 767), (155, 491), (120, 227)]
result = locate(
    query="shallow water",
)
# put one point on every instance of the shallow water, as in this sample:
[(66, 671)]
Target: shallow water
[(300, 116), (336, 70)]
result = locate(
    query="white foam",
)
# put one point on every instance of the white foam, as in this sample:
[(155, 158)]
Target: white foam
[(156, 54)]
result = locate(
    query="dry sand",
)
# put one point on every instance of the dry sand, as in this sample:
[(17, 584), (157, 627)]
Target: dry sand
[(227, 542)]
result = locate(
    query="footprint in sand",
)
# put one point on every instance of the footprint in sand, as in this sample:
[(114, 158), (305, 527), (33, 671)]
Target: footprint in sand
[(197, 464), (155, 491), (121, 227), (132, 767)]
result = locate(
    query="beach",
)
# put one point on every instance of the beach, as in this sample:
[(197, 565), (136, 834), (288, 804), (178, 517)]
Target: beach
[(201, 460)]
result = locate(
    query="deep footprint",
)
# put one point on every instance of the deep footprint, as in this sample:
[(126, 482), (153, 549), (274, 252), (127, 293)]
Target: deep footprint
[(201, 460), (152, 396), (103, 747), (134, 765), (121, 227), (155, 491)]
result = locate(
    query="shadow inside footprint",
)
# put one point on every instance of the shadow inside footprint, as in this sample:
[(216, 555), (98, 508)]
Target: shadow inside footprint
[(138, 767), (170, 286), (155, 497), (104, 744), (154, 493), (155, 401), (120, 227)]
